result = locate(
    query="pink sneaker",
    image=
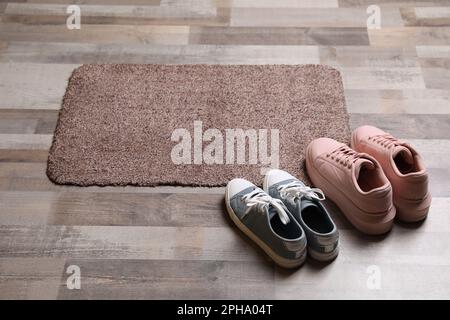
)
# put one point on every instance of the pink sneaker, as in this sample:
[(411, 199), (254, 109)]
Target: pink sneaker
[(354, 181), (403, 167)]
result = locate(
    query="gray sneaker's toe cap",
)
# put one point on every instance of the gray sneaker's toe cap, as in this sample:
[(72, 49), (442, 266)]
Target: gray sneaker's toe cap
[(237, 185), (275, 176)]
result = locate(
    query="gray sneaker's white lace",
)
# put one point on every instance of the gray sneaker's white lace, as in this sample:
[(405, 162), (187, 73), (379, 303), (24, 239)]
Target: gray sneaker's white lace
[(295, 190), (261, 200)]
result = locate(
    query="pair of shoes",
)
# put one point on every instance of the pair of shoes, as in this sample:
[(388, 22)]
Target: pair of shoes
[(378, 178), (286, 219)]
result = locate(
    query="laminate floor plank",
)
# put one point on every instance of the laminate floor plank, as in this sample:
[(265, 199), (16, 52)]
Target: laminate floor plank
[(30, 278), (408, 101), (407, 126), (392, 3), (75, 53), (426, 16), (309, 17), (171, 279), (25, 155), (277, 4), (193, 12), (98, 34), (33, 85), (410, 36), (278, 36)]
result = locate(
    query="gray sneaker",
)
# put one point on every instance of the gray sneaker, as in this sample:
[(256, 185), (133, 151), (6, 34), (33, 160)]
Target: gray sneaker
[(304, 204), (267, 222)]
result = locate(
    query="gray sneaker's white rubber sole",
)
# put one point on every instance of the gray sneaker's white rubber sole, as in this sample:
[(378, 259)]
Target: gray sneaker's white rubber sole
[(281, 261), (323, 257)]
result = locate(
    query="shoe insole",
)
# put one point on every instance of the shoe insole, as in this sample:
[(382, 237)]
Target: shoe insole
[(369, 179), (287, 231), (316, 220), (402, 163)]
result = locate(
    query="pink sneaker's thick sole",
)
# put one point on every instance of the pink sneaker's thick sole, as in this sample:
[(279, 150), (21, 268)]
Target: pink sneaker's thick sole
[(407, 210), (412, 210), (366, 222)]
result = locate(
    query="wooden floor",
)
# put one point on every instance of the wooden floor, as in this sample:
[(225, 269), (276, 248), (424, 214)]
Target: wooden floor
[(171, 242)]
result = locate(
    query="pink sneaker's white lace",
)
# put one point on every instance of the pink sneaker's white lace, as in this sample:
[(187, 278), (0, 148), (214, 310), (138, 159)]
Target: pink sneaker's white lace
[(295, 190), (385, 140), (344, 156), (261, 200)]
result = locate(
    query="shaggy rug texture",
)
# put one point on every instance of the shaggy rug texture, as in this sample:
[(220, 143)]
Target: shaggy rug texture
[(197, 125)]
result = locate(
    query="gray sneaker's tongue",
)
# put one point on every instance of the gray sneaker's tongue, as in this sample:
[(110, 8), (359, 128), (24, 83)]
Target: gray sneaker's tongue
[(363, 163), (307, 203), (272, 213), (302, 205)]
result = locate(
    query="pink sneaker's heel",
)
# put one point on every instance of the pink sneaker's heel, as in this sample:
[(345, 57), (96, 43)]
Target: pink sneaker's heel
[(412, 210)]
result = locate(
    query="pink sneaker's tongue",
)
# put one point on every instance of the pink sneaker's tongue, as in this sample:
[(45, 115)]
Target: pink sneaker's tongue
[(363, 163)]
